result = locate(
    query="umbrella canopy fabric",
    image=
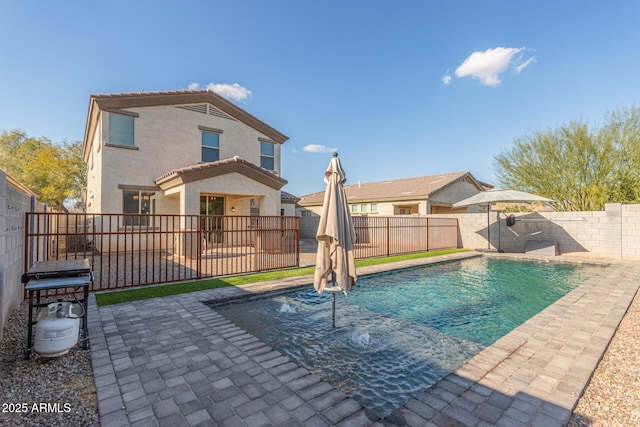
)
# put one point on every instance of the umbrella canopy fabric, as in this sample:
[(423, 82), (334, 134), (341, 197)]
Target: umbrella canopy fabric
[(497, 196), (336, 234)]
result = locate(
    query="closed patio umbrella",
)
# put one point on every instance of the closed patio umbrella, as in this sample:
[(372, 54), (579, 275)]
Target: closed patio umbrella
[(499, 196), (336, 237)]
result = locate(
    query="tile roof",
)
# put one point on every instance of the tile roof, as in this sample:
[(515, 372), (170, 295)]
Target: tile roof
[(288, 197), (406, 188), (220, 167), (152, 93)]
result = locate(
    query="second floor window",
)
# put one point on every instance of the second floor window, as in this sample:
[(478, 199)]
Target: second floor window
[(121, 129), (210, 146), (267, 155)]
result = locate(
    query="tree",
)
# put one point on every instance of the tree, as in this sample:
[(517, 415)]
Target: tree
[(622, 130), (54, 172), (580, 169)]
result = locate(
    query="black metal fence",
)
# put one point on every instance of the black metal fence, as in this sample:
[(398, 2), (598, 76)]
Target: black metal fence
[(133, 250), (395, 235)]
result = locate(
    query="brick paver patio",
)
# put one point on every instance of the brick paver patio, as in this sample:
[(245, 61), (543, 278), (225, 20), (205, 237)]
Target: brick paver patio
[(174, 361)]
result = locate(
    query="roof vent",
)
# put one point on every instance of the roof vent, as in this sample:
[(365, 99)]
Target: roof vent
[(198, 108)]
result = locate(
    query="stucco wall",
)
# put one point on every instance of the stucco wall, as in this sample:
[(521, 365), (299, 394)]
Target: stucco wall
[(94, 174), (385, 208), (14, 203), (455, 192), (236, 184), (289, 208)]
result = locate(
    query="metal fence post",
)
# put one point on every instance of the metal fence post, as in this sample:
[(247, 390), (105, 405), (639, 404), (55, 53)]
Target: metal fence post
[(427, 218), (388, 236)]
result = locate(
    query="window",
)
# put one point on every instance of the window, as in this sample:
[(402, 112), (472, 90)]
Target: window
[(406, 210), (121, 129), (354, 208), (267, 155), (363, 208), (137, 202), (254, 207), (374, 207), (210, 146)]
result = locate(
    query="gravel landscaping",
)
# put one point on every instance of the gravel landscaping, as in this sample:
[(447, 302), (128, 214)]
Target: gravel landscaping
[(42, 391)]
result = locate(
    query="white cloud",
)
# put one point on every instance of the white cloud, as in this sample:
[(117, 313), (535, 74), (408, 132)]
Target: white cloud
[(487, 66), (316, 148), (446, 79), (225, 90), (518, 68), (234, 91)]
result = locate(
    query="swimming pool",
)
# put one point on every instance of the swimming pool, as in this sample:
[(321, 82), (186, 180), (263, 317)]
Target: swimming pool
[(398, 333)]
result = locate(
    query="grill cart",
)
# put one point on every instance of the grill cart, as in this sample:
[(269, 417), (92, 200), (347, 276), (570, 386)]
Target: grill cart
[(58, 274)]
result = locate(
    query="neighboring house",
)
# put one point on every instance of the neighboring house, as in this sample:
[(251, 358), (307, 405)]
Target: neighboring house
[(410, 196), (288, 203), (179, 152)]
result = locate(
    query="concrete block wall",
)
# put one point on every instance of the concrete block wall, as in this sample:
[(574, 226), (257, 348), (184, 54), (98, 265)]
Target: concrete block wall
[(14, 203), (613, 233), (309, 226)]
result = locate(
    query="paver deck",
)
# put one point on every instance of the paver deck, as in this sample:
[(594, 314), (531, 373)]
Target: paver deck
[(174, 361)]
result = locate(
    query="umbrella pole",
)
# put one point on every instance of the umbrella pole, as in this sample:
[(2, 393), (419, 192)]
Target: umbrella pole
[(499, 232), (488, 226), (333, 310), (333, 300)]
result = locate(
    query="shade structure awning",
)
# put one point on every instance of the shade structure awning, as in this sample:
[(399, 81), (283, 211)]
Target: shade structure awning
[(499, 196)]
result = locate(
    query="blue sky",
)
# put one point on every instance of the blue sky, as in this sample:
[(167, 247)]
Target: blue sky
[(399, 88)]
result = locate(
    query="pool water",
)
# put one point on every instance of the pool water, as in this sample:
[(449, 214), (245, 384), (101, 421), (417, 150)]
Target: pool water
[(399, 333)]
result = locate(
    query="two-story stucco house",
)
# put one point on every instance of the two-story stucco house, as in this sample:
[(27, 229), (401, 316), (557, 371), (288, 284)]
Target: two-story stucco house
[(179, 152)]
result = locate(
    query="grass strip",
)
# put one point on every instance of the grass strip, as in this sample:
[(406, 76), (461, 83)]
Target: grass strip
[(128, 295)]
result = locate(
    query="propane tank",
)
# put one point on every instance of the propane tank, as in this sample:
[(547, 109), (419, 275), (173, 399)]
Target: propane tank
[(57, 333)]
